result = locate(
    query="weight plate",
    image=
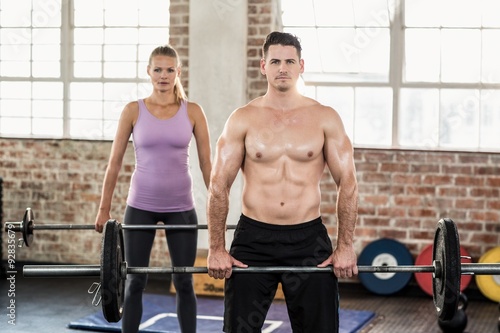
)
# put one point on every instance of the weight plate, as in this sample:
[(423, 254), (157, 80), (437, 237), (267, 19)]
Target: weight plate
[(112, 284), (28, 220), (424, 280), (489, 285), (446, 279), (385, 252)]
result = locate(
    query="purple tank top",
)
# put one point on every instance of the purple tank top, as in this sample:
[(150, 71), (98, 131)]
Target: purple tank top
[(161, 181)]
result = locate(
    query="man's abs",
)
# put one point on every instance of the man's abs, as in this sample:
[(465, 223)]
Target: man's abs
[(281, 202)]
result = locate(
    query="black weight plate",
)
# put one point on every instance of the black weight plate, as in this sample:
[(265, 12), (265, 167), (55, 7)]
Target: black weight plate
[(385, 252), (112, 284), (446, 284), (28, 220)]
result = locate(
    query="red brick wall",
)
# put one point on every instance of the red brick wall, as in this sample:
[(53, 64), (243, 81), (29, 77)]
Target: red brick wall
[(262, 19), (179, 35), (402, 195)]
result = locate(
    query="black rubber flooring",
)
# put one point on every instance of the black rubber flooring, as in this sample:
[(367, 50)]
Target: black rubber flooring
[(47, 305)]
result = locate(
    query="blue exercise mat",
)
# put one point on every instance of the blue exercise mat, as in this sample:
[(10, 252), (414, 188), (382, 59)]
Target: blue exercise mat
[(159, 316)]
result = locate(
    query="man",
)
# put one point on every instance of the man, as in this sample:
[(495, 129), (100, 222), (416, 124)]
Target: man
[(281, 142)]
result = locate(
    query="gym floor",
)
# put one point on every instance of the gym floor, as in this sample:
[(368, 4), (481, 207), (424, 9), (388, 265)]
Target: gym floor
[(47, 305)]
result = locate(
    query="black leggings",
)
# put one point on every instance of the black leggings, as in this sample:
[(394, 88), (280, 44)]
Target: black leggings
[(182, 246)]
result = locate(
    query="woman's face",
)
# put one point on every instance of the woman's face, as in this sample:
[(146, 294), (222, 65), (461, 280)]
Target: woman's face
[(163, 71)]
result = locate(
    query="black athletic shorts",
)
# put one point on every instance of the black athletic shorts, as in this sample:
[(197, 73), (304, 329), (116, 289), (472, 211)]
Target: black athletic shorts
[(311, 298)]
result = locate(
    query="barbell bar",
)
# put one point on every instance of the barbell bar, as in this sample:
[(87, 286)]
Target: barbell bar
[(446, 270), (27, 227), (95, 270)]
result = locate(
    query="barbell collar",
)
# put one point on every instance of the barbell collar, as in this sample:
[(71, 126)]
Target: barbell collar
[(61, 270)]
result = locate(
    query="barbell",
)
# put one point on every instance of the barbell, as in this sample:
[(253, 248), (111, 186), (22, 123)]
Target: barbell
[(446, 270), (27, 227)]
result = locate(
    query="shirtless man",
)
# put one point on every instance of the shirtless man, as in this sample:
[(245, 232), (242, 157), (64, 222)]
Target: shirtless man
[(282, 142)]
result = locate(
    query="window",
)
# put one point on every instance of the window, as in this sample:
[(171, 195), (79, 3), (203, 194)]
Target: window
[(404, 73), (69, 67)]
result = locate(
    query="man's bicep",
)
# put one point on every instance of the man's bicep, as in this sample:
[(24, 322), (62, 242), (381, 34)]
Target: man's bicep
[(339, 156), (228, 158)]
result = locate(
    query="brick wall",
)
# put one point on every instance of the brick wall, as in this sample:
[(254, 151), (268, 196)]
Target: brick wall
[(179, 36), (263, 18), (402, 195)]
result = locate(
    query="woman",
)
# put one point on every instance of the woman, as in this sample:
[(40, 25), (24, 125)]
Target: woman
[(161, 186)]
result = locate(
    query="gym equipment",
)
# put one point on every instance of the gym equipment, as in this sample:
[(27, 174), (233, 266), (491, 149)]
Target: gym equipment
[(446, 270)]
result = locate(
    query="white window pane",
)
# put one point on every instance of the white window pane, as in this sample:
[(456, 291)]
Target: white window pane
[(15, 36), (91, 36), (419, 118), (422, 13), (422, 55), (82, 4), (113, 110), (461, 13), (490, 70), (156, 13), (459, 63), (110, 128), (15, 52), (48, 127), (123, 17), (46, 52), (120, 69), (297, 16), (89, 16), (490, 10), (342, 100), (310, 91), (310, 48), (339, 54), (120, 52), (87, 53), (48, 90), (86, 129), (153, 36), (118, 4), (15, 13), (375, 55), (85, 109), (46, 36), (46, 13), (15, 108), (142, 70), (15, 90), (125, 92), (373, 116), (47, 109), (46, 69), (459, 118), (91, 91), (16, 126), (87, 69), (15, 68), (334, 13), (490, 118), (144, 89), (125, 36), (369, 13)]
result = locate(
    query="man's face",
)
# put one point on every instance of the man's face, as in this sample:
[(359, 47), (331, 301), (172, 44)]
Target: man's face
[(282, 67)]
